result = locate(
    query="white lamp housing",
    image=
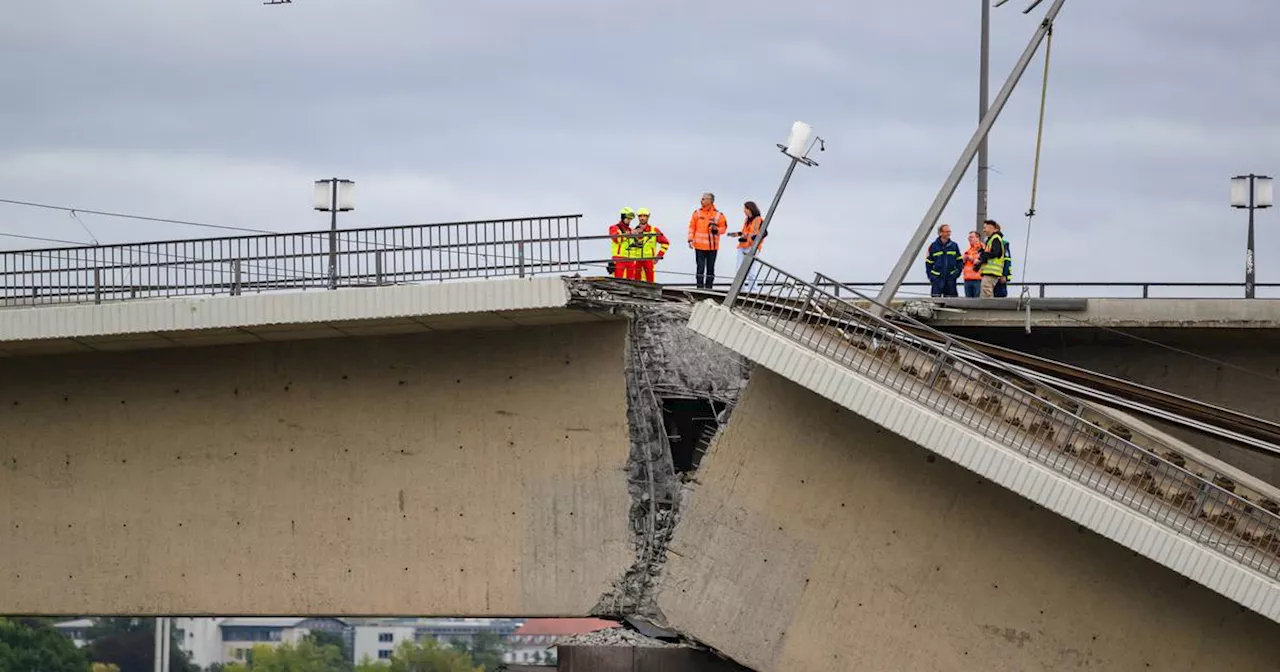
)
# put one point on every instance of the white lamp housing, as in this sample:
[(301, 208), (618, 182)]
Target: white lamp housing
[(1264, 193), (1240, 192), (798, 141), (324, 196)]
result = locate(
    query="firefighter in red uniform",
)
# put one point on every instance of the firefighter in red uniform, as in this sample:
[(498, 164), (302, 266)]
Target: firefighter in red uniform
[(620, 241), (648, 248)]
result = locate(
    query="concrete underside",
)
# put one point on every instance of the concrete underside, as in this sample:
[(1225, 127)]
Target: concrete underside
[(456, 474), (818, 541), (1233, 368)]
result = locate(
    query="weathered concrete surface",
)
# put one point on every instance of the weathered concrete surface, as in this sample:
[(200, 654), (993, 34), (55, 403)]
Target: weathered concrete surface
[(478, 473), (1138, 313), (1234, 368), (818, 541), (665, 359)]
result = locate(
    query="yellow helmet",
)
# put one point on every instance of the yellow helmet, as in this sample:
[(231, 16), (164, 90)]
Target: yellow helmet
[(628, 212), (643, 212)]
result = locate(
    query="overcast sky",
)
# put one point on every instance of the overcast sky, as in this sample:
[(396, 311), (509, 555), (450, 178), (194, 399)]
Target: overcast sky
[(225, 111)]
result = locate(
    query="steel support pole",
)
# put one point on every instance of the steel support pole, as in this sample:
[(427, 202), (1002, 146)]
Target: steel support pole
[(948, 189), (166, 644), (333, 234), (158, 653), (743, 267), (1248, 255), (984, 98)]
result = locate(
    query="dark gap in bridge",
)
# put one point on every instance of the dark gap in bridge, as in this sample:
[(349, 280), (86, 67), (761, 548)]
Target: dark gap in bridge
[(691, 425)]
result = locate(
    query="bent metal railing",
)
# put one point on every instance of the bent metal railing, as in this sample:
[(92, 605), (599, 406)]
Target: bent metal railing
[(293, 261), (989, 398)]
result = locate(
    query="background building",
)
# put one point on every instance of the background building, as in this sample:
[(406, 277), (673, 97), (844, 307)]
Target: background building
[(534, 642)]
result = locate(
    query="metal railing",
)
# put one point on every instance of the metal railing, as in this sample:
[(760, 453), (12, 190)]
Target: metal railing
[(293, 261), (987, 397), (1146, 290)]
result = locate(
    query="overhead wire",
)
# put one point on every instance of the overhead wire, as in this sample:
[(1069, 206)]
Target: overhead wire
[(124, 215), (1024, 299), (42, 239), (1166, 346)]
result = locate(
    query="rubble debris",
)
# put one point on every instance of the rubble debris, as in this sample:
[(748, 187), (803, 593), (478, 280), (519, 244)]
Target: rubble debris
[(614, 637), (664, 359)]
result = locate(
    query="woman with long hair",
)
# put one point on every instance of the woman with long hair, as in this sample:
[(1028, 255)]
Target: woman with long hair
[(750, 230)]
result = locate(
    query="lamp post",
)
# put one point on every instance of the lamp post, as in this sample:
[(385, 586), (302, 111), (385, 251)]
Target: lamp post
[(940, 201), (334, 195), (799, 142), (1252, 192), (984, 100)]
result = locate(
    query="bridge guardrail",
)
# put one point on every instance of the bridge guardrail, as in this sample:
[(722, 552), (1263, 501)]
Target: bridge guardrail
[(303, 260), (1014, 411), (1146, 290)]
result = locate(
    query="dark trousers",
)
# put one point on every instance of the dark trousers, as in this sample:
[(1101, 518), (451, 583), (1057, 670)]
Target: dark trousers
[(942, 286), (1001, 291), (973, 288), (706, 261)]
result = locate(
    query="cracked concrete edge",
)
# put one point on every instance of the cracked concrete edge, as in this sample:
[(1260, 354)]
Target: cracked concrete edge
[(662, 355)]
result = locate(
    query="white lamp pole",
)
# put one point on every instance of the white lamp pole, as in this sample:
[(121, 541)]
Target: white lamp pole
[(334, 195), (1252, 192), (799, 142)]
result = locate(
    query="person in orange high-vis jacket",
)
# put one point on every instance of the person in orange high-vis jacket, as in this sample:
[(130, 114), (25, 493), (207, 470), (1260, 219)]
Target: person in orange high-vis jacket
[(972, 274), (620, 240), (747, 236), (705, 228), (648, 248)]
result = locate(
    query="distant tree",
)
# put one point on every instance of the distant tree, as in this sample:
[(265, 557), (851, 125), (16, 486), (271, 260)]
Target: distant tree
[(104, 667), (129, 644), (235, 667), (326, 638), (37, 649), (430, 656), (537, 657), (307, 656), (367, 664), (486, 649)]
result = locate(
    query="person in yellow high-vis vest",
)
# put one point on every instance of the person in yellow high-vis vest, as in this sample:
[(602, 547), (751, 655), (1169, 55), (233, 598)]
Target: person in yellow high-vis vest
[(620, 265), (650, 246), (991, 261)]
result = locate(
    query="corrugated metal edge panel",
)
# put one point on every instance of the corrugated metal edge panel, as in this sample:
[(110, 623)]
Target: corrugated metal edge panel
[(183, 314), (991, 460)]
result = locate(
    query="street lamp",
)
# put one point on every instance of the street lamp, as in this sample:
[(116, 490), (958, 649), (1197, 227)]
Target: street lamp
[(921, 235), (1253, 192), (984, 98), (334, 195), (799, 142)]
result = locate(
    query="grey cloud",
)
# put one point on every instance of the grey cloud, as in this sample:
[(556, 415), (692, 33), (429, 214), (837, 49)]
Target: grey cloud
[(490, 108)]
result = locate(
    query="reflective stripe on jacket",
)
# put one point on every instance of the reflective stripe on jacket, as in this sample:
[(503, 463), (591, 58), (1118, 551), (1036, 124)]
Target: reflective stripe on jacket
[(943, 260), (651, 244), (705, 228), (749, 232), (993, 264), (619, 245), (971, 262)]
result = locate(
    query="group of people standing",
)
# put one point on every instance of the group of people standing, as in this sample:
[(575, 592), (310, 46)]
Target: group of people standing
[(987, 266), (637, 248)]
